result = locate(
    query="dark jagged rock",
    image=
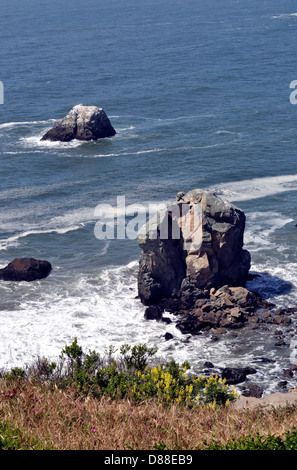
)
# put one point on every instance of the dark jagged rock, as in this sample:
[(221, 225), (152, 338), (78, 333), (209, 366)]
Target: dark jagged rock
[(168, 336), (153, 313), (25, 269), (82, 123), (209, 365), (234, 375), (252, 390)]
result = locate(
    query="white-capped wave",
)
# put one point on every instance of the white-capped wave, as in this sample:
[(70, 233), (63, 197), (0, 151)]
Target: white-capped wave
[(14, 240), (24, 123), (222, 132), (283, 15), (35, 191), (259, 228), (257, 187), (60, 224)]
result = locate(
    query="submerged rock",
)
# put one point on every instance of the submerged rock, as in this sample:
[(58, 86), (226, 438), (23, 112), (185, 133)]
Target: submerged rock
[(25, 269), (82, 123)]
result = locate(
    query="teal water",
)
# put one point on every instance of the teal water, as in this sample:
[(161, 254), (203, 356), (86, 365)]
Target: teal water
[(198, 93)]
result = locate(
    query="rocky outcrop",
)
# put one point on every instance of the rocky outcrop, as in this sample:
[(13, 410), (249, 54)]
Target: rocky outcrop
[(194, 245), (82, 123), (224, 308), (25, 269)]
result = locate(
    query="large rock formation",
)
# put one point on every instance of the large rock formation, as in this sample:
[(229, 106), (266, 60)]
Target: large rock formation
[(203, 249), (82, 123), (25, 269)]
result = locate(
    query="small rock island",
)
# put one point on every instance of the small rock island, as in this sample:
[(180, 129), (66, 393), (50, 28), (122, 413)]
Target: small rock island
[(82, 123)]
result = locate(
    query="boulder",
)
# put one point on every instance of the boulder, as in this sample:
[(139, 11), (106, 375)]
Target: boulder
[(193, 245), (252, 390), (81, 123), (153, 312), (235, 375), (25, 269)]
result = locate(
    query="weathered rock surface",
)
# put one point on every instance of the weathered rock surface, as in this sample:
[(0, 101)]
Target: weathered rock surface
[(272, 401), (203, 249), (25, 269), (82, 123)]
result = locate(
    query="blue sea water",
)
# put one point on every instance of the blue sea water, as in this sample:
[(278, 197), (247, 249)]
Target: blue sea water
[(198, 93)]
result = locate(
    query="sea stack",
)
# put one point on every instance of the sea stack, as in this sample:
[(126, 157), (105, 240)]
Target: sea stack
[(192, 260), (82, 123)]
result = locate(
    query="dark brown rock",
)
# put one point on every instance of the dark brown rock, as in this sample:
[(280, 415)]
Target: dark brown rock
[(25, 269), (288, 373), (234, 375), (280, 342), (208, 364), (283, 384), (252, 390), (168, 336), (153, 312)]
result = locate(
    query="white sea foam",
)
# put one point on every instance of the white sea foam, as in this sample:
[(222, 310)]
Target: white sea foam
[(6, 125), (99, 310), (35, 141), (257, 187), (61, 224), (15, 239), (35, 191), (283, 15)]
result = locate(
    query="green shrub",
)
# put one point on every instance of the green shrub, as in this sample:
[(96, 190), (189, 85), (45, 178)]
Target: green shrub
[(15, 373), (138, 358), (133, 378), (271, 442)]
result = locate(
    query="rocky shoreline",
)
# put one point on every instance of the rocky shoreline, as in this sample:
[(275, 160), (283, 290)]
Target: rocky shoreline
[(224, 309), (215, 321), (204, 286)]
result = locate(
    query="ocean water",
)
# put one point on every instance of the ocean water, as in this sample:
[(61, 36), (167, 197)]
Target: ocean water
[(199, 94)]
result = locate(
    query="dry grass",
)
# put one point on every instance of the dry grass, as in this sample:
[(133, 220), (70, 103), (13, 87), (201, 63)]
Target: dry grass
[(62, 420)]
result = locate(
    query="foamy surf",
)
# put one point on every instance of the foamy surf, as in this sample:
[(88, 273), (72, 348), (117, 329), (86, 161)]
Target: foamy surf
[(283, 15), (61, 224), (36, 142), (101, 310), (15, 239), (256, 187), (7, 125)]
